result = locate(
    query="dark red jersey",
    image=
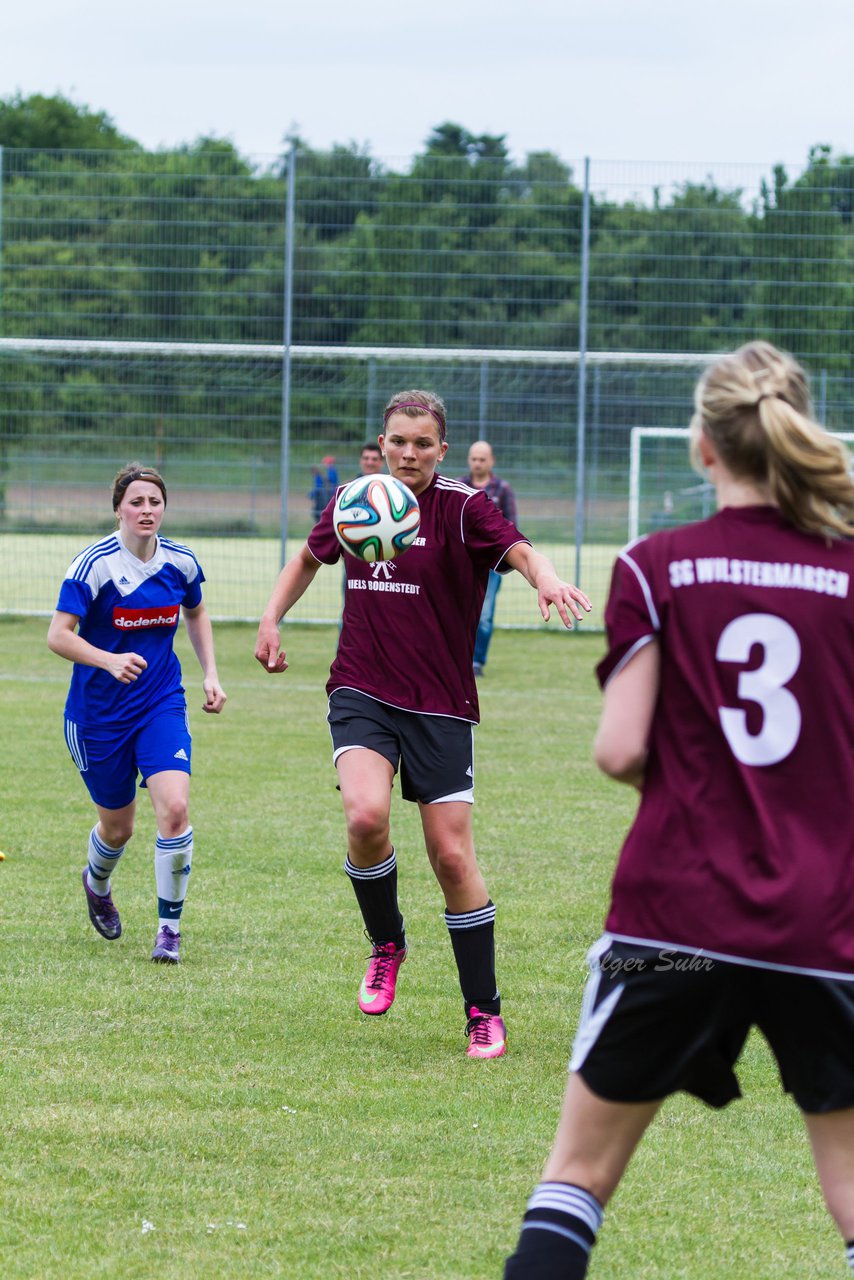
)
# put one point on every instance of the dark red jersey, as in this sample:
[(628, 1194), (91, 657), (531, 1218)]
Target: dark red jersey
[(743, 844), (407, 634)]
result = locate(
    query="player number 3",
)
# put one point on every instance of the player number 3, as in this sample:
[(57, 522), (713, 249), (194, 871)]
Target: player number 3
[(781, 715)]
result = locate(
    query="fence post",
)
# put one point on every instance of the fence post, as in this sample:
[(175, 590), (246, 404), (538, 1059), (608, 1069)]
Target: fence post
[(580, 477), (284, 463), (2, 327), (822, 397), (370, 396), (483, 399)]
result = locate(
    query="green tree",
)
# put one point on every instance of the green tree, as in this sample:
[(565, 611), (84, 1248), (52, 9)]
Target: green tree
[(805, 262), (39, 122)]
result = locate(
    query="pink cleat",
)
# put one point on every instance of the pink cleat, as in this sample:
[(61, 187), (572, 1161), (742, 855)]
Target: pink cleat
[(376, 993), (487, 1035)]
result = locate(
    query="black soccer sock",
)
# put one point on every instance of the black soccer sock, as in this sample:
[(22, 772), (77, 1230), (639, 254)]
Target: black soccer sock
[(376, 894), (473, 939), (849, 1253), (558, 1232)]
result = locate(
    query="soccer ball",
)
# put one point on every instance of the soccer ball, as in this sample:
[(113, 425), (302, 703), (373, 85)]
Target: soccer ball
[(376, 517)]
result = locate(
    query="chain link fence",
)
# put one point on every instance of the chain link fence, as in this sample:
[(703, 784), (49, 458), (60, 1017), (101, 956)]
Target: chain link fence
[(235, 322)]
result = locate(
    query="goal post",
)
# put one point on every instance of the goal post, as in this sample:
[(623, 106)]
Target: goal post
[(663, 488), (210, 416)]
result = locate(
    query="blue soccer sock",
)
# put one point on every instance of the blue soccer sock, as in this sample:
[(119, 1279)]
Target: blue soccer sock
[(558, 1232), (173, 858), (102, 863)]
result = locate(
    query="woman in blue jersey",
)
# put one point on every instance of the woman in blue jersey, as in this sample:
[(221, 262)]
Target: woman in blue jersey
[(126, 713), (729, 703)]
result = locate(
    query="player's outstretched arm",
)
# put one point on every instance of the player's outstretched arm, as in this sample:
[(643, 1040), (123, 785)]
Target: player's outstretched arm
[(62, 638), (200, 631), (294, 580), (550, 589), (621, 745)]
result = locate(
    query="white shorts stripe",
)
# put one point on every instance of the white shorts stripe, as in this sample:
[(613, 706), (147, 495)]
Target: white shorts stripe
[(72, 739), (593, 1019)]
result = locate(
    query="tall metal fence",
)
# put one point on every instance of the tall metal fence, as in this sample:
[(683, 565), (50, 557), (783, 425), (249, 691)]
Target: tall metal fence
[(236, 322)]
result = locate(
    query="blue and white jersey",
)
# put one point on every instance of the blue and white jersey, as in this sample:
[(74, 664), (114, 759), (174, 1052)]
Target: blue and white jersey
[(127, 606)]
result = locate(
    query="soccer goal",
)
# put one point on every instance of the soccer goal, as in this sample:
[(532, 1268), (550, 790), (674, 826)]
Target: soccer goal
[(664, 490)]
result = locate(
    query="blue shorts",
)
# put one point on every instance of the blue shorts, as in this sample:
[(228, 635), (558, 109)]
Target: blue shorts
[(110, 758)]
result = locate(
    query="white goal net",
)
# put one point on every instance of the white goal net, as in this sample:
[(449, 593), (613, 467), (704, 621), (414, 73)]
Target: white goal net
[(664, 490)]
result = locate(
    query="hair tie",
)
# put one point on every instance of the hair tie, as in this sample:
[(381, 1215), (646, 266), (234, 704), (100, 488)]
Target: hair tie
[(413, 404)]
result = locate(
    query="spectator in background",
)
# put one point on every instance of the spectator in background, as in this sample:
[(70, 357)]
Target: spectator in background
[(323, 485), (481, 476), (371, 462), (370, 459)]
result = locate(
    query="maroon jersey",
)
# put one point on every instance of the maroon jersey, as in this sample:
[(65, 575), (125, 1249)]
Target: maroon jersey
[(743, 844), (407, 634)]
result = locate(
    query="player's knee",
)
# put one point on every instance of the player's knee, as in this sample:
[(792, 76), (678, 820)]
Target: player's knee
[(453, 866), (366, 823), (116, 835), (173, 818)]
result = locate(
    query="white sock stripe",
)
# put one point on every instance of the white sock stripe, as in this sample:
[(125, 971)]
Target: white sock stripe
[(559, 1231), (371, 873), (172, 844), (470, 919), (568, 1199)]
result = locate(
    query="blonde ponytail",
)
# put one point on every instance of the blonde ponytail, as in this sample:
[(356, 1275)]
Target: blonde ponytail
[(754, 407)]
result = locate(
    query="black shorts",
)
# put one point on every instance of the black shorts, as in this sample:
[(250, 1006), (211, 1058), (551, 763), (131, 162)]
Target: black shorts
[(435, 754), (654, 1022)]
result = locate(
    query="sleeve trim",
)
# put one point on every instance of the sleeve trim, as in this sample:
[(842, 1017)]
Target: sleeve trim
[(645, 588)]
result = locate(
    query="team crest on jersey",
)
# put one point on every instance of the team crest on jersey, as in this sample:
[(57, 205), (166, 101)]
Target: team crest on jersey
[(383, 569), (142, 619)]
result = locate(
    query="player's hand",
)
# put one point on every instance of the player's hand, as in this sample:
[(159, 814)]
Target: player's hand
[(215, 697), (564, 596), (268, 650), (125, 667)]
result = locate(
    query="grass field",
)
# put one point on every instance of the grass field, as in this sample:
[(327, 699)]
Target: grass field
[(241, 573), (236, 1116)]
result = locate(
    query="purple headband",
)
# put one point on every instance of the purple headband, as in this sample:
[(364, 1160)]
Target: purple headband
[(413, 404)]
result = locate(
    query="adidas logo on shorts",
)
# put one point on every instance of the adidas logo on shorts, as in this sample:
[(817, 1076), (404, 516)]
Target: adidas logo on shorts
[(180, 754)]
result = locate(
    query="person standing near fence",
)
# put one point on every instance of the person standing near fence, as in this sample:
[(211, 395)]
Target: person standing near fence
[(402, 696), (323, 485), (126, 713), (371, 459), (371, 463), (482, 476), (729, 702)]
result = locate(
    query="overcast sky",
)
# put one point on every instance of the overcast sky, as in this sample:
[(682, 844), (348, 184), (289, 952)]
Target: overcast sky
[(634, 80)]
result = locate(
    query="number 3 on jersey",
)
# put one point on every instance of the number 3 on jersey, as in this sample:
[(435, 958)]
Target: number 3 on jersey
[(781, 715)]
